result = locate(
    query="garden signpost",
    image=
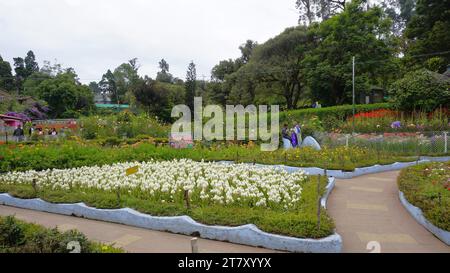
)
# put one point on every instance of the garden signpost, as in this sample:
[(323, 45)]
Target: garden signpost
[(132, 170)]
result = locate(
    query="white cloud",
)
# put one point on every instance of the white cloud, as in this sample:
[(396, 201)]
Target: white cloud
[(95, 35)]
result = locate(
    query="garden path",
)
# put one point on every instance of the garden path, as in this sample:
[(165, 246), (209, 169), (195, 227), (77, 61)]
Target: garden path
[(131, 239), (367, 208)]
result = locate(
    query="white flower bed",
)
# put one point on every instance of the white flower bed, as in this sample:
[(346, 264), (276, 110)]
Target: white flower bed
[(167, 181)]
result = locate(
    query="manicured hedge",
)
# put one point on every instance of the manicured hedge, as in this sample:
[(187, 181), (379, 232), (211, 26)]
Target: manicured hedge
[(328, 115)]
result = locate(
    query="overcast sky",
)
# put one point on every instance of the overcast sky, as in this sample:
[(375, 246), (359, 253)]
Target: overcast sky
[(95, 35)]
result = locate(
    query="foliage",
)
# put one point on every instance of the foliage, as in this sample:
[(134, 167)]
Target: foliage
[(6, 77), (329, 116), (422, 90), (164, 75), (20, 237), (120, 125), (314, 10), (278, 61), (155, 98), (65, 97), (381, 121), (356, 32), (190, 85), (71, 154), (427, 186), (427, 32)]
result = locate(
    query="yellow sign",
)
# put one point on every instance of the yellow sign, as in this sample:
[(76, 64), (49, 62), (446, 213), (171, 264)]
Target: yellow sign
[(132, 170)]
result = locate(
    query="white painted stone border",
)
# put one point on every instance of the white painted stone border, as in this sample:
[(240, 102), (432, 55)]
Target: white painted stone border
[(417, 214), (357, 172), (329, 189), (245, 234)]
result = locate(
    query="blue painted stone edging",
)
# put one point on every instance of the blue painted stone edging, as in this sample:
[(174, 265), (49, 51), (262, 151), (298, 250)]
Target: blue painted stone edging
[(245, 234), (357, 172), (417, 214)]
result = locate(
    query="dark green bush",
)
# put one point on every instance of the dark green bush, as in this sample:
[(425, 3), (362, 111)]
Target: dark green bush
[(421, 89), (19, 237), (11, 233)]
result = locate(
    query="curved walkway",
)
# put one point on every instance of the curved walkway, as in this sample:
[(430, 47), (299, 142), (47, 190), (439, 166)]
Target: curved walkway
[(131, 239), (367, 208)]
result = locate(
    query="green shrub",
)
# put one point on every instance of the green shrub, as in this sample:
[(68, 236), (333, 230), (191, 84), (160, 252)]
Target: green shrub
[(421, 89), (11, 233), (20, 237), (111, 141)]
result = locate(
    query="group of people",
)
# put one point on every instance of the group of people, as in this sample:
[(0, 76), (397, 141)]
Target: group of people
[(292, 137), (19, 134)]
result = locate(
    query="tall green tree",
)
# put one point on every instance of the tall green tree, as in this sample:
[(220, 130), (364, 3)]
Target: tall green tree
[(400, 11), (108, 86), (31, 65), (21, 72), (317, 10), (6, 77), (32, 82), (125, 77), (246, 51), (278, 63), (24, 68), (357, 31), (428, 31), (154, 98), (65, 96), (164, 75), (190, 85)]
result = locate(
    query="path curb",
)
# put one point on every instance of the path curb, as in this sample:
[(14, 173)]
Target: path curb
[(245, 234), (417, 214), (357, 172)]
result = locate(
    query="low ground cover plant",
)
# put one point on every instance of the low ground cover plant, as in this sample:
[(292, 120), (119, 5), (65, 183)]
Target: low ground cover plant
[(427, 186)]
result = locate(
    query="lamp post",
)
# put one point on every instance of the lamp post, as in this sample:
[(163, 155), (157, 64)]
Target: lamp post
[(353, 91)]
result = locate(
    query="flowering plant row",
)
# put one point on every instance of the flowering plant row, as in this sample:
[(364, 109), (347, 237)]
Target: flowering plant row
[(167, 181)]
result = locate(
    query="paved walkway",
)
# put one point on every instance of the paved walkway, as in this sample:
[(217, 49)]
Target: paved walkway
[(367, 208), (132, 239)]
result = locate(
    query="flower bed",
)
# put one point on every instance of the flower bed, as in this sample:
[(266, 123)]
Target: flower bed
[(385, 120), (211, 193), (77, 154), (400, 143), (20, 237), (427, 187)]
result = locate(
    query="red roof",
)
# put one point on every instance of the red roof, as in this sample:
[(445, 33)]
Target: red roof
[(5, 117)]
